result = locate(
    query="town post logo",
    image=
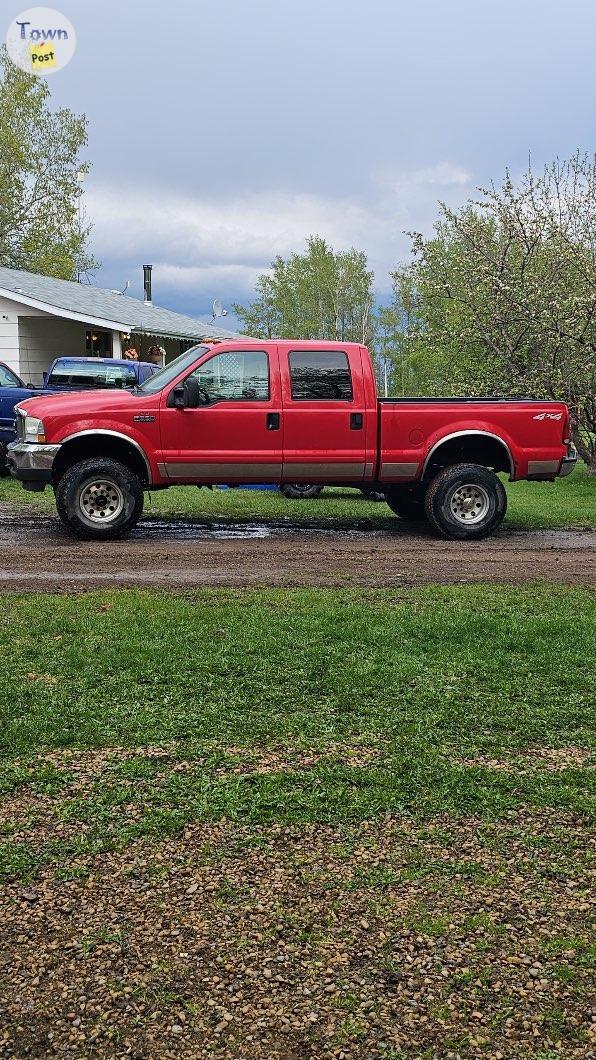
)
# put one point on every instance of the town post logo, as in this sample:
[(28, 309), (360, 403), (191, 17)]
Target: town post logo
[(41, 40)]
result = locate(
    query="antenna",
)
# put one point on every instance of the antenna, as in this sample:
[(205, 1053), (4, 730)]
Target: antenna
[(218, 309), (125, 288)]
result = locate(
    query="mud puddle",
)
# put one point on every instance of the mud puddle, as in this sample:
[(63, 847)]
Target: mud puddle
[(37, 553), (14, 526)]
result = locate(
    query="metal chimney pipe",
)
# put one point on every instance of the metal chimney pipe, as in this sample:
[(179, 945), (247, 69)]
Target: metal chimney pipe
[(147, 283)]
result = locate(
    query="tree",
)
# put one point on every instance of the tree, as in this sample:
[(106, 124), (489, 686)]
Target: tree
[(39, 190), (395, 324), (322, 294), (506, 294)]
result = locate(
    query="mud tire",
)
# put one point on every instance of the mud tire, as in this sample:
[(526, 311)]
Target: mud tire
[(455, 487), (74, 493), (296, 491), (407, 502)]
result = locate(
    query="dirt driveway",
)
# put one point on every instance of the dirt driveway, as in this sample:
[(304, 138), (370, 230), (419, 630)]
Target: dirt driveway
[(36, 554)]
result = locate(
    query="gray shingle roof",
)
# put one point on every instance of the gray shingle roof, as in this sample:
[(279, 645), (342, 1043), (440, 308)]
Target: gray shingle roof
[(124, 312)]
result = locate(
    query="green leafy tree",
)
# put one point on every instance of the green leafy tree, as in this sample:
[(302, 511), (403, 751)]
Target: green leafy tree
[(394, 330), (322, 294), (40, 227), (506, 294)]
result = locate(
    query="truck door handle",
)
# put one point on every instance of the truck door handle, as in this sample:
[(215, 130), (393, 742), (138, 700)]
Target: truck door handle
[(356, 421), (273, 421)]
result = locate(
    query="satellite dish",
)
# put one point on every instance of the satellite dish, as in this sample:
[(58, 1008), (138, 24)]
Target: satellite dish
[(218, 309)]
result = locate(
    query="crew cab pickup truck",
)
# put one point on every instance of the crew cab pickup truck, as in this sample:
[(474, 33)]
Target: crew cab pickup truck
[(284, 412)]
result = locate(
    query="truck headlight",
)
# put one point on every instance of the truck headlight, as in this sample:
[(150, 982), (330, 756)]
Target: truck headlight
[(34, 430)]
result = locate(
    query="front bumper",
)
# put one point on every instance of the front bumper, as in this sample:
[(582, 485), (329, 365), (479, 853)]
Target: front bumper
[(569, 461), (31, 463)]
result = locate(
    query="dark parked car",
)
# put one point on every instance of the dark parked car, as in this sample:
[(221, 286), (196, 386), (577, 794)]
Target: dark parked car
[(66, 373), (96, 373), (12, 390)]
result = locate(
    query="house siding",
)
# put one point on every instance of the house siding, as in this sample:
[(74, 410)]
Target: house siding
[(9, 335), (42, 339)]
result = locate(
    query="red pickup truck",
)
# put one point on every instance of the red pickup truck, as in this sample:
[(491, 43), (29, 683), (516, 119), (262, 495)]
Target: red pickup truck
[(282, 411)]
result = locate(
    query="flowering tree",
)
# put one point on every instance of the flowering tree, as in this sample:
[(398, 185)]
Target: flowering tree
[(506, 294)]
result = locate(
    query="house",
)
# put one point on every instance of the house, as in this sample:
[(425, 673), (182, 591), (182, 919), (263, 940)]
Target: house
[(42, 318)]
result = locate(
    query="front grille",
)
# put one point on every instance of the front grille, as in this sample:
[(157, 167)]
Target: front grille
[(20, 425)]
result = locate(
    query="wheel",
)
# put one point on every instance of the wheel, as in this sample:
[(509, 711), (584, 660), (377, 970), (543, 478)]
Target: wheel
[(466, 502), (300, 491), (372, 495), (407, 502), (99, 499)]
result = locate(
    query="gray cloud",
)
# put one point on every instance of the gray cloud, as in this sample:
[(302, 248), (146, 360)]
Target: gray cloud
[(265, 120)]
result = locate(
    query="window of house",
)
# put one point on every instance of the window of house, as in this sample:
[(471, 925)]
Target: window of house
[(98, 343), (320, 375), (235, 376)]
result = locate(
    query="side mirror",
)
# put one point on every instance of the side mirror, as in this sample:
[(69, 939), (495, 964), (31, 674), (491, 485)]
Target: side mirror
[(192, 393), (188, 395), (178, 396)]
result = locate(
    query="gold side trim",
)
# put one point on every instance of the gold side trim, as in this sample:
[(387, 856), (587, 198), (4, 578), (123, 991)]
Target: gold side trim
[(323, 471), (543, 467), (219, 472), (390, 471)]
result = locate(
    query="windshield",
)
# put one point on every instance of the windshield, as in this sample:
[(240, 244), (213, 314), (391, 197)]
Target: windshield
[(156, 382), (87, 374), (8, 378)]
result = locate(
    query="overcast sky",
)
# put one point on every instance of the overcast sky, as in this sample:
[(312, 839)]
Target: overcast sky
[(222, 133)]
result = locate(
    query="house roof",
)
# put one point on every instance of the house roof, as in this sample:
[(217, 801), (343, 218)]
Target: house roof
[(102, 308)]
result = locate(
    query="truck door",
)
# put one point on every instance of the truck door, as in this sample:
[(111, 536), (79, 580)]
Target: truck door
[(236, 436), (324, 414)]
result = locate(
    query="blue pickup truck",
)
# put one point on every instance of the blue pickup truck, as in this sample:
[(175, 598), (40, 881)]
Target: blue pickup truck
[(66, 373)]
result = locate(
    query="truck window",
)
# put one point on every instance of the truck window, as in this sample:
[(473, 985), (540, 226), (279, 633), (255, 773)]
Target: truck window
[(235, 376), (320, 376)]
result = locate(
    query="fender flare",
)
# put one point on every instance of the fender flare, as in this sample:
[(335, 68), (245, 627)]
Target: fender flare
[(478, 432), (112, 434)]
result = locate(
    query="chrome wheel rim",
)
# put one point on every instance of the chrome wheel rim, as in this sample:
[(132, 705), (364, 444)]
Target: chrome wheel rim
[(470, 503), (101, 501)]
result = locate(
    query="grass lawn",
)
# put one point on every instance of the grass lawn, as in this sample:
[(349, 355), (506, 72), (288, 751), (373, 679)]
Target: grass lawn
[(298, 824), (439, 696), (569, 502)]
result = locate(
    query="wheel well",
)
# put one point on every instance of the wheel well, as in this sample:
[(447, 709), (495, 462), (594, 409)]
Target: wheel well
[(470, 449), (99, 445)]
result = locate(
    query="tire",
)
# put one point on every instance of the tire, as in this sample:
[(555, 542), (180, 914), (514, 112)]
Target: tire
[(4, 468), (407, 502), (465, 502), (99, 485), (299, 491), (372, 495)]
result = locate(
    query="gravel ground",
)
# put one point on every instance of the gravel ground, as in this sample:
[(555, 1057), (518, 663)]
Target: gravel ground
[(394, 938)]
